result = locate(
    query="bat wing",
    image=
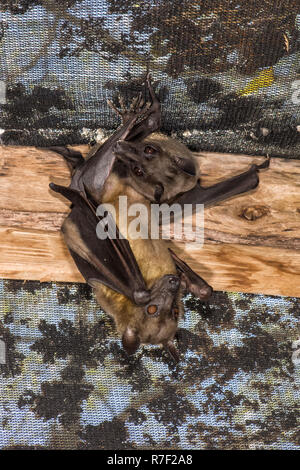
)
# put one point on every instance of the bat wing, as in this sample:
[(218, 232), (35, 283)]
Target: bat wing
[(225, 189), (73, 158), (91, 173), (94, 171), (239, 184), (190, 280), (109, 261)]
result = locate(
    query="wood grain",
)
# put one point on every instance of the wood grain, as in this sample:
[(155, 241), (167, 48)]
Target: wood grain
[(252, 242)]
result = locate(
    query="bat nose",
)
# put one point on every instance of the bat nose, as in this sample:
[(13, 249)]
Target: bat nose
[(159, 190)]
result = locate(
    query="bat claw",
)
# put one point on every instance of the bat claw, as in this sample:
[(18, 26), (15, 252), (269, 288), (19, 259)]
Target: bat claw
[(170, 347), (113, 107), (122, 104), (149, 79), (151, 92), (264, 164)]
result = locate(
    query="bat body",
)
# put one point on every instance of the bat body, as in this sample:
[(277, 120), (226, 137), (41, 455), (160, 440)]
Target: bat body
[(154, 260), (139, 282)]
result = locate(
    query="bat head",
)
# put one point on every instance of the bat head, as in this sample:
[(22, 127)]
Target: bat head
[(158, 167), (158, 320)]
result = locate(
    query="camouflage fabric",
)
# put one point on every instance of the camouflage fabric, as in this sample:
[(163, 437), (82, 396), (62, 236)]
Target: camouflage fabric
[(67, 383), (227, 71)]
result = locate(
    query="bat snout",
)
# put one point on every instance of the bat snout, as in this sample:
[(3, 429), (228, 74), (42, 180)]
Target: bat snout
[(158, 192)]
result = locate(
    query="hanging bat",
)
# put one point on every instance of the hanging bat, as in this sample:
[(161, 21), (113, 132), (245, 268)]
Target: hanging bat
[(139, 282)]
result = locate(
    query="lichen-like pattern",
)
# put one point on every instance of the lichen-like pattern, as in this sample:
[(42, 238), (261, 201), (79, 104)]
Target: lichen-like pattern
[(227, 71), (66, 383)]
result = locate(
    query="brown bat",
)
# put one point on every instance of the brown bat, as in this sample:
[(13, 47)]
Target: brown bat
[(139, 282)]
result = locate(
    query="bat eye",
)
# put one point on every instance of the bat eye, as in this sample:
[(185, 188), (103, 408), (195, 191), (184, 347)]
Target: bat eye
[(149, 151), (137, 171), (152, 310)]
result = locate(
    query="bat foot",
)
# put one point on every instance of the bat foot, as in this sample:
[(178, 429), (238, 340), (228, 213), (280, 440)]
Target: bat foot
[(204, 293), (137, 107)]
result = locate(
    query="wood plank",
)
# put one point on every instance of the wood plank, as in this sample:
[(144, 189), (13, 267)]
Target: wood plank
[(26, 201), (252, 242), (268, 216), (33, 254), (242, 268)]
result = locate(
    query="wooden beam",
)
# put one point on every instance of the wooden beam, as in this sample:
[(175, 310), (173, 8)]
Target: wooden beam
[(252, 242)]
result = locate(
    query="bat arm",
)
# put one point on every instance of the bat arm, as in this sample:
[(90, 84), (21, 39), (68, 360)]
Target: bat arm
[(91, 255), (225, 189)]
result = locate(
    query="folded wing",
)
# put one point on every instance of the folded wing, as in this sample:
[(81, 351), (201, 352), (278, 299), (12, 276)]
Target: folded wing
[(109, 261)]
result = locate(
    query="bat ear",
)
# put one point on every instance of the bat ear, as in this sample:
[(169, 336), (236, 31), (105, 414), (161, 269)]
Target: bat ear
[(186, 165), (130, 341), (170, 347)]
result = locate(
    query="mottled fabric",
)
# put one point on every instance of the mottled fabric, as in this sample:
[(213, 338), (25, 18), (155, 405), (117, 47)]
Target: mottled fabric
[(227, 72), (67, 383)]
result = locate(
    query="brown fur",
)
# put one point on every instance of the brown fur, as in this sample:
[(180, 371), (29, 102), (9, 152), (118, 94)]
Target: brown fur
[(162, 168), (154, 261)]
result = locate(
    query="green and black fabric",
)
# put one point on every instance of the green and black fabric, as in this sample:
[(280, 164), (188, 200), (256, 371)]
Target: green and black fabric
[(228, 77), (227, 72)]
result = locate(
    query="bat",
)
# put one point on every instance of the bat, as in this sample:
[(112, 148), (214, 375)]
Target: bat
[(139, 282)]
